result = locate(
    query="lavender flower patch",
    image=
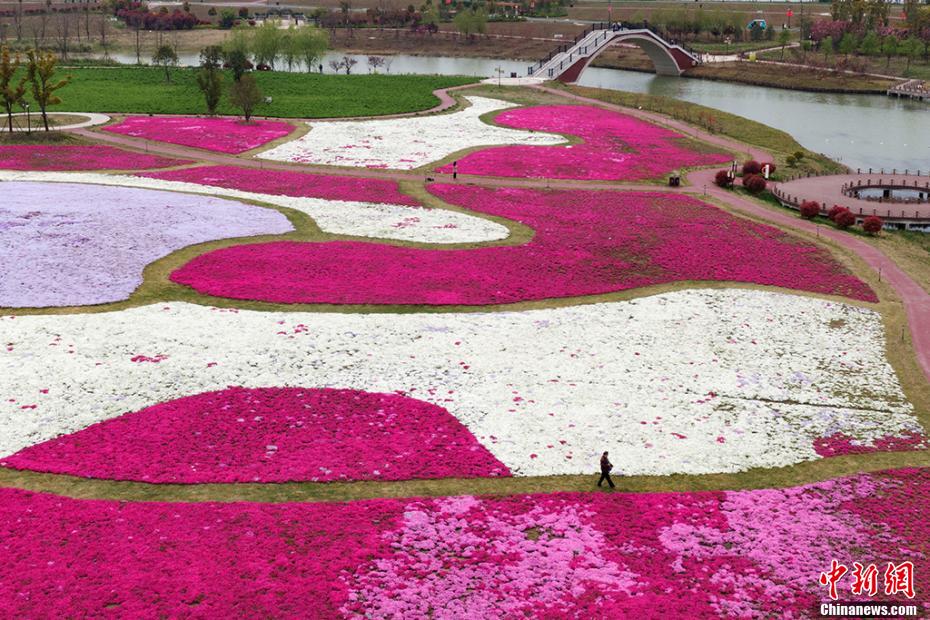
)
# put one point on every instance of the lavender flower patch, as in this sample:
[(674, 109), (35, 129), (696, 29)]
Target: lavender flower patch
[(67, 244)]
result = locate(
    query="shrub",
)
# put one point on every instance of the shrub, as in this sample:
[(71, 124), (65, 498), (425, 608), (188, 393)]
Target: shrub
[(754, 183), (810, 209), (844, 219), (723, 179), (791, 161), (752, 167), (834, 211), (798, 155), (872, 224)]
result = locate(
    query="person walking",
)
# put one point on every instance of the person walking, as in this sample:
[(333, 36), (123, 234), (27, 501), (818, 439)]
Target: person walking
[(455, 170), (606, 467)]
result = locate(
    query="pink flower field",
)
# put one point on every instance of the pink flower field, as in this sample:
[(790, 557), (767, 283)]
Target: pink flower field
[(223, 135), (753, 553), (286, 183), (615, 147), (78, 157), (586, 243), (270, 435)]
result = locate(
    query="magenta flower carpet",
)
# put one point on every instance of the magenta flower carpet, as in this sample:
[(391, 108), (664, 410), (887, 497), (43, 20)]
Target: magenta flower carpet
[(295, 184), (78, 157), (223, 135), (698, 554), (586, 243), (615, 147), (270, 435)]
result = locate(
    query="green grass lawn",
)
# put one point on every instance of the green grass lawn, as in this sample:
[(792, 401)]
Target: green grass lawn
[(144, 90)]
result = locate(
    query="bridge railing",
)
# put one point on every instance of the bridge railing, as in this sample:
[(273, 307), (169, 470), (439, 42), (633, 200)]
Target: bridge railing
[(606, 26)]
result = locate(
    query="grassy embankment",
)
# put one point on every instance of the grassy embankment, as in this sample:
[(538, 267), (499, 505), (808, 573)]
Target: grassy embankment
[(143, 90), (757, 74)]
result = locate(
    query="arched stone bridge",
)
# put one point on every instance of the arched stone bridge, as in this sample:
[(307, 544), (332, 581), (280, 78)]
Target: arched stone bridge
[(568, 62)]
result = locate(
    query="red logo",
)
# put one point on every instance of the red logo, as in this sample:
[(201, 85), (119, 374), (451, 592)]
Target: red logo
[(898, 579)]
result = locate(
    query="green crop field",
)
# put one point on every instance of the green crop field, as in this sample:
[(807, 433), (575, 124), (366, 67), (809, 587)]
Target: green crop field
[(294, 95)]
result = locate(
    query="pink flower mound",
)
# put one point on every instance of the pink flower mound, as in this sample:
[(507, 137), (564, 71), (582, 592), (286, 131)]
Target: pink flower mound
[(616, 147), (296, 184), (746, 553), (839, 444), (586, 243), (78, 157), (224, 135), (270, 435)]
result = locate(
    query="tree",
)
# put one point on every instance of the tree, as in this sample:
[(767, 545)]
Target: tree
[(471, 21), (165, 56), (266, 43), (245, 95), (311, 43), (375, 63), (844, 219), (227, 19), (810, 209), (784, 37), (889, 48), (827, 46), (429, 17), (872, 224), (848, 44), (871, 45), (290, 51), (237, 61), (723, 179), (40, 71), (754, 183), (911, 48), (210, 78), (10, 94)]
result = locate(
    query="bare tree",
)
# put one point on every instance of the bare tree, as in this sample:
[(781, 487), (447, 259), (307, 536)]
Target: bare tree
[(62, 34), (375, 63), (103, 29)]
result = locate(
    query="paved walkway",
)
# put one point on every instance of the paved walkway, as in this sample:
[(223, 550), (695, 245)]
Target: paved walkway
[(915, 300)]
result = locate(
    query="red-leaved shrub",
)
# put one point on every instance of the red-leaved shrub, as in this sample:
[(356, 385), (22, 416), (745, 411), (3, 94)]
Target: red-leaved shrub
[(723, 179), (810, 209), (754, 183), (844, 219), (834, 211), (752, 167), (872, 224)]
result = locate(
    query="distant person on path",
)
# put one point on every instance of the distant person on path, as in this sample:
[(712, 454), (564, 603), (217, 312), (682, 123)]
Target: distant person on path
[(606, 467), (455, 170), (321, 68)]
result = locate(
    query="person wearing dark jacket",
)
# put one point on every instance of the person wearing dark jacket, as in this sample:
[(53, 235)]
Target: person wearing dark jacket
[(606, 467)]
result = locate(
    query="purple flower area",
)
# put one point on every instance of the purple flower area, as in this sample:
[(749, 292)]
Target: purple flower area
[(288, 183), (615, 147), (755, 553), (65, 244), (51, 157), (270, 435), (585, 243), (224, 135)]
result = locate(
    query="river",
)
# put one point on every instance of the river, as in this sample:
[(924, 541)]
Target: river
[(860, 131)]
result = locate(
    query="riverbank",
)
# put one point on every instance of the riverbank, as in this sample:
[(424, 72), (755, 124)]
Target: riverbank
[(756, 74)]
